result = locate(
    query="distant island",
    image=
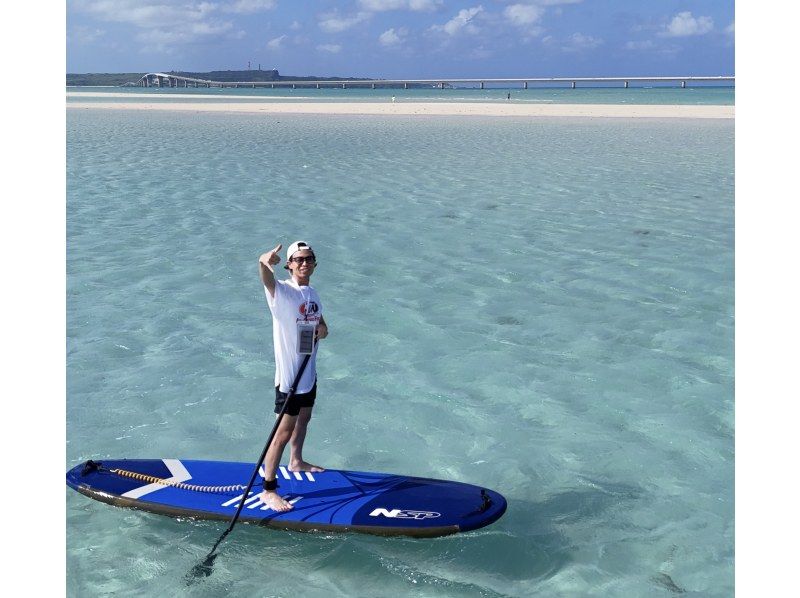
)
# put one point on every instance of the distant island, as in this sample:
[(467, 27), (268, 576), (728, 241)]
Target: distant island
[(250, 76)]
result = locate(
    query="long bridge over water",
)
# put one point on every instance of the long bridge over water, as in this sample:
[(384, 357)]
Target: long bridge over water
[(172, 80)]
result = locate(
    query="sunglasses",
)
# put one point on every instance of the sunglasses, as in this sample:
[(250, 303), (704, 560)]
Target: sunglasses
[(308, 259)]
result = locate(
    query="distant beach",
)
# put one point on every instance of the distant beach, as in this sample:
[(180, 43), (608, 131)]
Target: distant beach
[(257, 105)]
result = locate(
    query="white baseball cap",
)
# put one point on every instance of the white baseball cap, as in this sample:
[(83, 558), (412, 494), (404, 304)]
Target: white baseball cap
[(294, 248)]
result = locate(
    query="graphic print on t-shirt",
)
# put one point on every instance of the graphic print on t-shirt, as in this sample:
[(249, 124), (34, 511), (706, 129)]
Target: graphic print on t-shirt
[(309, 309)]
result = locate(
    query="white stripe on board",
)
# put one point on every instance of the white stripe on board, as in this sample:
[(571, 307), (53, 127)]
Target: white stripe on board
[(309, 476), (179, 474), (297, 475), (285, 473), (235, 501)]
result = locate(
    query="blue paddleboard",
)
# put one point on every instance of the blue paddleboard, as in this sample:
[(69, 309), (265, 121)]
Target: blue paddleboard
[(334, 500)]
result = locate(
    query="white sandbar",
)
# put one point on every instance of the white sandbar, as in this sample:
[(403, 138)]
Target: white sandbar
[(423, 108)]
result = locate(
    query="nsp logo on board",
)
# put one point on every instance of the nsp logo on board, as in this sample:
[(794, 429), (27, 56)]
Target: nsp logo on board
[(404, 514)]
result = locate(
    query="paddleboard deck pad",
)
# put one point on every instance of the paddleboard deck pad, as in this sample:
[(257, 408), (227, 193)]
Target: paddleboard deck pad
[(333, 500)]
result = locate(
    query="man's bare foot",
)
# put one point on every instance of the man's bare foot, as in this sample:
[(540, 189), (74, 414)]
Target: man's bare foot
[(274, 501), (305, 466)]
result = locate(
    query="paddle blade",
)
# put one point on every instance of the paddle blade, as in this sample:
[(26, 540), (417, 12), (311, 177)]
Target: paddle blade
[(201, 570)]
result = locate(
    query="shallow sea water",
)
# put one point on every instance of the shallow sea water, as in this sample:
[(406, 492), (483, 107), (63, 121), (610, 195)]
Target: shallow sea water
[(541, 306)]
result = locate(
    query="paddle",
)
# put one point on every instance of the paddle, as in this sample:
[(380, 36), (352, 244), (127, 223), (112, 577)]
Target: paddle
[(206, 567)]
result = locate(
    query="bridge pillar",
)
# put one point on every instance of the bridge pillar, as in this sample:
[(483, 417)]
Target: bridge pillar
[(683, 84), (525, 85), (573, 85), (344, 85), (373, 86), (626, 85), (405, 85), (317, 85), (482, 85)]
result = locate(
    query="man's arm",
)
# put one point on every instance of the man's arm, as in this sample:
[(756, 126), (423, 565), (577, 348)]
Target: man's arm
[(265, 263)]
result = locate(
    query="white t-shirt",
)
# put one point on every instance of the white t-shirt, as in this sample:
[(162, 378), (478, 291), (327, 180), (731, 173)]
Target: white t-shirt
[(292, 304)]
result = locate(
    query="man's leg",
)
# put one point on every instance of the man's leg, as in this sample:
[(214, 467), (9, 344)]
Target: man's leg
[(271, 498), (296, 462)]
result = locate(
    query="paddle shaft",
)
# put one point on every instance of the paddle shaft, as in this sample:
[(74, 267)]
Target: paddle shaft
[(289, 396)]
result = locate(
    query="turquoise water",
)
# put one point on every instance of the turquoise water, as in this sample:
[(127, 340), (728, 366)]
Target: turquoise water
[(541, 306), (705, 95)]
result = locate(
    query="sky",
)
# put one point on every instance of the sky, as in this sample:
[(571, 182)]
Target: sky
[(404, 38)]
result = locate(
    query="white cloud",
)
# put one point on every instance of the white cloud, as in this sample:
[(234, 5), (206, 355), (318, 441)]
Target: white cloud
[(86, 35), (730, 28), (385, 5), (164, 23), (276, 43), (523, 14), (684, 24), (331, 48), (156, 41), (481, 53), (295, 26), (461, 22), (578, 41), (640, 45), (333, 23), (391, 37), (424, 5), (146, 13), (163, 41), (244, 7), (209, 29)]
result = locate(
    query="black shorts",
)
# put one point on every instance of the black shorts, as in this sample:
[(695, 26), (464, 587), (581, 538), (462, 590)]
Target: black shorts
[(298, 401)]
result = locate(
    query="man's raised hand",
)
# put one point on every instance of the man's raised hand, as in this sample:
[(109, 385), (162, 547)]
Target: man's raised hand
[(271, 258), (267, 260)]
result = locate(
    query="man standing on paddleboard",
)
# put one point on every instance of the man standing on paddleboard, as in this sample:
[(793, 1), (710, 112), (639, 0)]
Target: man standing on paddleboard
[(296, 321)]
